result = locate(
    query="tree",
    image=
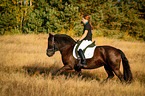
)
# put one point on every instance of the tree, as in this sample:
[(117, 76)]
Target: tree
[(37, 16)]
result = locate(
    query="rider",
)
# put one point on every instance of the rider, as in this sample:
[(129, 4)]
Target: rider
[(85, 40)]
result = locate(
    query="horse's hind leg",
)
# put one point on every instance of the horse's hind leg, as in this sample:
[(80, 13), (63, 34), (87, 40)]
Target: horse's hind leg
[(119, 74), (109, 72), (115, 69)]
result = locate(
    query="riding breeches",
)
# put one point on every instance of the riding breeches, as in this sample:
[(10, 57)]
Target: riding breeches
[(84, 44)]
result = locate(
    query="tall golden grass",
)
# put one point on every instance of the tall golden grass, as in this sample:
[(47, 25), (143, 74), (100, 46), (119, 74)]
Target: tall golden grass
[(25, 70)]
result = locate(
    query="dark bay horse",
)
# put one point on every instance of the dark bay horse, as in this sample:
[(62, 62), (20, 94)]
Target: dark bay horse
[(106, 56)]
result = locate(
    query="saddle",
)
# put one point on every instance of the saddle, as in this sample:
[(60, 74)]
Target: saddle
[(88, 51)]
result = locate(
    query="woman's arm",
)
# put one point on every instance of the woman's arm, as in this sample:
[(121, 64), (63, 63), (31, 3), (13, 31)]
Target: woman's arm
[(84, 35), (91, 25)]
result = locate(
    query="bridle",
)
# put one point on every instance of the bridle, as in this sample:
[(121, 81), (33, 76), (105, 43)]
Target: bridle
[(53, 49), (53, 46)]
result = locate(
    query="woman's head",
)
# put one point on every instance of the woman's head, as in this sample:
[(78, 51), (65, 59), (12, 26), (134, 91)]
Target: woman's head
[(86, 16)]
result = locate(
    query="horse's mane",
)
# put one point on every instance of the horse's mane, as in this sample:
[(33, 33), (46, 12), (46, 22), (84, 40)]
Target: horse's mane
[(66, 38)]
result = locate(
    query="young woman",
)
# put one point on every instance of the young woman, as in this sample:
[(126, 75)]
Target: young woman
[(85, 40)]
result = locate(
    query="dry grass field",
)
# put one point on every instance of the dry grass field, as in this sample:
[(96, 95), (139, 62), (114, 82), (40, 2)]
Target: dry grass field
[(25, 70)]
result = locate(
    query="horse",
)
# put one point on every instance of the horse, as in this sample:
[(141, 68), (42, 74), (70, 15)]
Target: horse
[(107, 56)]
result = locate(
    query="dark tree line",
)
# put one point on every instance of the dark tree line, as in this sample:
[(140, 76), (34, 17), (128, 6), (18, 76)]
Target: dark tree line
[(61, 16)]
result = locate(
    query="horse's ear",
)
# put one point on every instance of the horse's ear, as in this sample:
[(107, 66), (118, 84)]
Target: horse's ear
[(50, 35)]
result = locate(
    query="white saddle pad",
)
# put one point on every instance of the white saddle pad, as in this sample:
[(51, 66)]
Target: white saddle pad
[(89, 52)]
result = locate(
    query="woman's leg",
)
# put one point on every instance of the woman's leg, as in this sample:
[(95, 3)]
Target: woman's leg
[(83, 59)]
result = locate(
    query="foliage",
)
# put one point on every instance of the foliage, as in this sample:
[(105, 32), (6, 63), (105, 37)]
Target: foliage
[(44, 16)]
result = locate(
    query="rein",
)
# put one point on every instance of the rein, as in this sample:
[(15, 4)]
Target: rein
[(64, 47), (53, 47)]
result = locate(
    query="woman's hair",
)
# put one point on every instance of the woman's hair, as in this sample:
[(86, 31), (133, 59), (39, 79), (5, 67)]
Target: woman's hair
[(86, 16)]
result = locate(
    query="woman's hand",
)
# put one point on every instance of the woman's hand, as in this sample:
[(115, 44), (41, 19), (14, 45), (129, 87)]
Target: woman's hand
[(78, 41)]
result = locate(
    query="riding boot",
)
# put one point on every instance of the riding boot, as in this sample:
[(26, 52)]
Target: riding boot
[(83, 59)]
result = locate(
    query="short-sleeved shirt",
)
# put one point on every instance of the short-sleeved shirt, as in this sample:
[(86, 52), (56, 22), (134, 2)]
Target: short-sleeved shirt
[(87, 26)]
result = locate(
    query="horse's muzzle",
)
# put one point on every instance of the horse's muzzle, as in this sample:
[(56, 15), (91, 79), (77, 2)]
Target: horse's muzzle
[(50, 52)]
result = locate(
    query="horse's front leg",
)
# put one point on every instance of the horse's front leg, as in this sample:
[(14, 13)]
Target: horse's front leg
[(78, 70), (64, 68)]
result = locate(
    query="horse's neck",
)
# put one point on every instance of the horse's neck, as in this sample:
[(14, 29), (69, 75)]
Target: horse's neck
[(68, 49), (64, 44)]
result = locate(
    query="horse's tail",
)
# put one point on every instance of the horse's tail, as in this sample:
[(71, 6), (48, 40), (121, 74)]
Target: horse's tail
[(126, 68)]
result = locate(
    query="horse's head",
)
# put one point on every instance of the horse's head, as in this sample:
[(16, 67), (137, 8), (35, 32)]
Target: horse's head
[(51, 46), (58, 42)]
